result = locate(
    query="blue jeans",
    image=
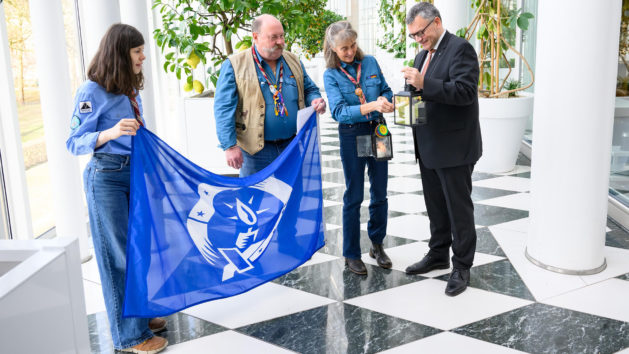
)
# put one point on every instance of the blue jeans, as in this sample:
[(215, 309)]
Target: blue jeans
[(106, 180), (261, 159), (354, 171)]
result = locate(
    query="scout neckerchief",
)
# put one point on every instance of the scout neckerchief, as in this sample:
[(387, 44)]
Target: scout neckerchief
[(356, 82), (136, 109), (278, 99)]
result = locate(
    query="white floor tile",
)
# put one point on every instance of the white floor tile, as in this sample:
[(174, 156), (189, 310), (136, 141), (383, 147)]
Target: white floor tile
[(519, 201), (403, 146), (326, 184), (260, 304), (94, 301), (510, 183), (617, 264), (90, 270), (416, 227), (516, 170), (329, 227), (607, 299), (403, 157), (329, 147), (447, 343), (520, 225), (328, 132), (326, 169), (328, 139), (326, 157), (407, 203), (405, 255), (542, 283), (228, 342), (404, 184), (327, 203), (319, 258), (398, 169), (424, 302)]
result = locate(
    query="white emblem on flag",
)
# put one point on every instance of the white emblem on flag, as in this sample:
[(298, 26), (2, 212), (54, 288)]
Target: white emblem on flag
[(248, 244)]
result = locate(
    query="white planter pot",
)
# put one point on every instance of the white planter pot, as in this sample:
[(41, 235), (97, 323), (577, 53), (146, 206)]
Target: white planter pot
[(200, 143), (502, 123)]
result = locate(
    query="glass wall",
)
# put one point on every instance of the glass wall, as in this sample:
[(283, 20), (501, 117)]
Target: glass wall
[(619, 171), (5, 229), (31, 124)]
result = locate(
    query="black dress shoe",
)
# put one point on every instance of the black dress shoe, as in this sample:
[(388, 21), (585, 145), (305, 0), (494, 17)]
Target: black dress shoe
[(427, 264), (356, 266), (458, 282), (377, 252)]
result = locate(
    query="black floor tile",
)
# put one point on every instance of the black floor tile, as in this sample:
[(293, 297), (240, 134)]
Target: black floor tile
[(338, 328), (334, 242), (179, 328), (333, 280), (488, 215), (486, 243), (484, 193), (498, 277), (539, 328)]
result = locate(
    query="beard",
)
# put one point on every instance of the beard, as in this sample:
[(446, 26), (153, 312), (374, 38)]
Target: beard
[(274, 51)]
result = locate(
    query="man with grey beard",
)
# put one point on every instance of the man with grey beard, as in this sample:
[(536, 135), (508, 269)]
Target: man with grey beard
[(258, 94)]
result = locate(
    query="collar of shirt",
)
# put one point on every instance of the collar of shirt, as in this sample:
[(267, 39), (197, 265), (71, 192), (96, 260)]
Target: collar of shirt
[(439, 41), (350, 67)]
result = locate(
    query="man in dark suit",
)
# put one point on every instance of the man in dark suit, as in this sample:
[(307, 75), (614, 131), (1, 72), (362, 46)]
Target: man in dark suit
[(448, 145)]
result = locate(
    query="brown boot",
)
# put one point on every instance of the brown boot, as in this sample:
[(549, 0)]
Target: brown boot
[(157, 324), (150, 346)]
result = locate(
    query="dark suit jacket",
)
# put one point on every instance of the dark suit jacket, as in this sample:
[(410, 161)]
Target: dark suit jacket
[(452, 135)]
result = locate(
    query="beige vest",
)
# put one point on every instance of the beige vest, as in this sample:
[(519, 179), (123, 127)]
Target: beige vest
[(251, 106)]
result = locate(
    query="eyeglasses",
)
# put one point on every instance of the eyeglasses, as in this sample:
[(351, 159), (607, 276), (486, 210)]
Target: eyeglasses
[(420, 33)]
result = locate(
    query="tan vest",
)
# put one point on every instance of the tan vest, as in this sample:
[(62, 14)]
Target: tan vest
[(251, 106)]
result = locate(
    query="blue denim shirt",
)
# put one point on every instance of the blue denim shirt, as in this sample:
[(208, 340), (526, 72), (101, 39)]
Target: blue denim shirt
[(96, 110), (275, 127), (344, 104)]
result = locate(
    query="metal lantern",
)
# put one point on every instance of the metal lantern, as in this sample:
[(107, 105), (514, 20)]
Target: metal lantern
[(409, 109), (381, 143)]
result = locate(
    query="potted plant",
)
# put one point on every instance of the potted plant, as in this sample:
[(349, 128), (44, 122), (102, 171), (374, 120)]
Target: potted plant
[(504, 108), (196, 37)]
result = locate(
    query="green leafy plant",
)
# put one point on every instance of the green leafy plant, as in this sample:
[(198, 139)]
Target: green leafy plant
[(208, 31), (392, 19), (495, 24)]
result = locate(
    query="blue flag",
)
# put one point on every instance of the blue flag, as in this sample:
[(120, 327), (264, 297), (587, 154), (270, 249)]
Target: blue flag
[(195, 236)]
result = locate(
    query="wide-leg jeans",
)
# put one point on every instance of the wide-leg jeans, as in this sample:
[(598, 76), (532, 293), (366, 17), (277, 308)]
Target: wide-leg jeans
[(106, 181)]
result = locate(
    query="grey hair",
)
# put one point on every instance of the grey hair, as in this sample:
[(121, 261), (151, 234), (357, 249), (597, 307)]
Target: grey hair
[(426, 10), (338, 32)]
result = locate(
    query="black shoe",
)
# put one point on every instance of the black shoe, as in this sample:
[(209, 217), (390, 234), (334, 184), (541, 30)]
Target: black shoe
[(458, 282), (427, 264), (356, 266), (377, 252)]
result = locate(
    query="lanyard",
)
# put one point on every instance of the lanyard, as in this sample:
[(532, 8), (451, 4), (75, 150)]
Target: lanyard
[(136, 110), (358, 91), (278, 99)]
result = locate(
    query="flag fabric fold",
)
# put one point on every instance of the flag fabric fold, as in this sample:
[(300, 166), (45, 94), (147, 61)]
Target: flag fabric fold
[(194, 236)]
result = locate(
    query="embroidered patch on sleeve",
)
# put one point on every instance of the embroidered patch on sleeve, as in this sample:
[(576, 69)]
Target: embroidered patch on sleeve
[(85, 107), (75, 122)]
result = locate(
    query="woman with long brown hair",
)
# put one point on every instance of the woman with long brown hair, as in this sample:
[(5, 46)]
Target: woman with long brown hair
[(107, 113)]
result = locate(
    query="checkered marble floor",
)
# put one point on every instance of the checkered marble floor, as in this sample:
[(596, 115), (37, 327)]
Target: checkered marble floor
[(511, 305)]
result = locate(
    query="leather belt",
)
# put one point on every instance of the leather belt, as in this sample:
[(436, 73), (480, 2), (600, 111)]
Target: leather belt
[(279, 141)]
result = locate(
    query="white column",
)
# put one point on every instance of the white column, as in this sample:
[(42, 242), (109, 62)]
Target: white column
[(454, 13), (96, 17), (11, 145), (56, 102), (572, 134), (135, 13)]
